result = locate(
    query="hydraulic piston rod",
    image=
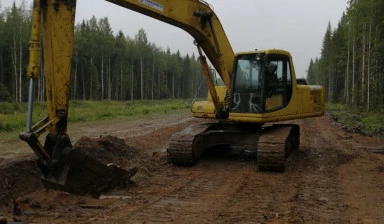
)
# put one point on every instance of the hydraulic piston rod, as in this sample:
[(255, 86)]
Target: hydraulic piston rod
[(33, 67)]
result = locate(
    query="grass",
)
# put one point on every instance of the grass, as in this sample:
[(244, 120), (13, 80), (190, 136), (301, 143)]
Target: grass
[(367, 123), (13, 115)]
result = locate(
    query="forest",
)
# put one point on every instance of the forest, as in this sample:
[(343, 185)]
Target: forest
[(351, 64), (105, 65), (114, 66)]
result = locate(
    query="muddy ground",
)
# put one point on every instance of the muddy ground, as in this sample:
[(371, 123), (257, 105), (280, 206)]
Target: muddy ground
[(335, 177)]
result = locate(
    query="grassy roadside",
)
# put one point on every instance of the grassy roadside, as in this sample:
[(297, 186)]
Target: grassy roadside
[(13, 115), (365, 123)]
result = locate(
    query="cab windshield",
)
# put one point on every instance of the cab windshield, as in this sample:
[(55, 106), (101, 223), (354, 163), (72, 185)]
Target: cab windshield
[(247, 91), (261, 83), (248, 74)]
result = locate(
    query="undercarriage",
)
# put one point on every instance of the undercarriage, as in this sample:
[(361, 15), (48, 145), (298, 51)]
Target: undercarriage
[(271, 144)]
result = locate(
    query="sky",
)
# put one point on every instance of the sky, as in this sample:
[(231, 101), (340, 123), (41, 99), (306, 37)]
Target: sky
[(297, 26)]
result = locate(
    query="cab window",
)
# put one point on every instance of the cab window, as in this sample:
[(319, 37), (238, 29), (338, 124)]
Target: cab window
[(278, 84)]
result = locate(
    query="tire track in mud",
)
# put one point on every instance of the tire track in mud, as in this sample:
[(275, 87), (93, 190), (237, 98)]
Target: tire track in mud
[(217, 191), (255, 200), (318, 198), (195, 196)]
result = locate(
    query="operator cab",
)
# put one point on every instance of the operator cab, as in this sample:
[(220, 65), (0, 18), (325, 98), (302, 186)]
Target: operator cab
[(262, 83)]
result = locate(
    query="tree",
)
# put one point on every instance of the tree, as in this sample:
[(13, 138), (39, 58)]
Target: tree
[(142, 44), (14, 29), (105, 66), (351, 63)]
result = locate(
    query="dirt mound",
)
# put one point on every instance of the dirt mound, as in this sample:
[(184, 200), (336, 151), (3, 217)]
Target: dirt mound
[(108, 149), (18, 176)]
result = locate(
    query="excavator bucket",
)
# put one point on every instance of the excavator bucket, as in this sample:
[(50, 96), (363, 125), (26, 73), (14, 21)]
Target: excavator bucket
[(79, 171)]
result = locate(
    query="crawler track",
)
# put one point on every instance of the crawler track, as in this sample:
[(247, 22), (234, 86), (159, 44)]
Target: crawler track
[(274, 146), (185, 147)]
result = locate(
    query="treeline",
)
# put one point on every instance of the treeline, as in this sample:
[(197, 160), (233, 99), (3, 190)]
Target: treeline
[(105, 65), (351, 65)]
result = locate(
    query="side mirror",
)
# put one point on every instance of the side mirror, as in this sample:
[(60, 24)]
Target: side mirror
[(271, 68)]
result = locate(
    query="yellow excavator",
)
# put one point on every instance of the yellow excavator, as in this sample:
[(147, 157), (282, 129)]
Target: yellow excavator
[(259, 87)]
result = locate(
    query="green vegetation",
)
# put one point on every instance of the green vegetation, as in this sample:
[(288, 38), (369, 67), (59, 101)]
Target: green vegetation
[(367, 123), (113, 77), (13, 115), (351, 65), (351, 68), (105, 65)]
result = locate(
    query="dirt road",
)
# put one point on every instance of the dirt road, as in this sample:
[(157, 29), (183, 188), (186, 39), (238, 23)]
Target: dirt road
[(335, 177)]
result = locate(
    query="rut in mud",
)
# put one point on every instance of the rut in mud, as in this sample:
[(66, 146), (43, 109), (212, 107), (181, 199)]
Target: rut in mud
[(332, 178)]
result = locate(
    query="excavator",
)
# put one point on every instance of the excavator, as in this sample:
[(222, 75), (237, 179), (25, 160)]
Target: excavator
[(260, 90)]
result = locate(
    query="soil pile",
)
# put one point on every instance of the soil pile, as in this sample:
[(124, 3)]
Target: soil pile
[(110, 149), (107, 150), (18, 176)]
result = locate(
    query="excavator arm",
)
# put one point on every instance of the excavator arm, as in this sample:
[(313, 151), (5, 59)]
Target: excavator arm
[(198, 19), (71, 170), (62, 167)]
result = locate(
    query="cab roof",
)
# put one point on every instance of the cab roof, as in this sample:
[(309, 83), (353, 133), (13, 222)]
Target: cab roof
[(265, 51)]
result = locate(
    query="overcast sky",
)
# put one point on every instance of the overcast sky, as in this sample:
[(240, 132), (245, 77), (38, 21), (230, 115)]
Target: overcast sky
[(297, 26)]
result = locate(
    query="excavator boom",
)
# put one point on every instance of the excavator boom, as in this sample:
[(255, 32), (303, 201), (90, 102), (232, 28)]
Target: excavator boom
[(198, 19)]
